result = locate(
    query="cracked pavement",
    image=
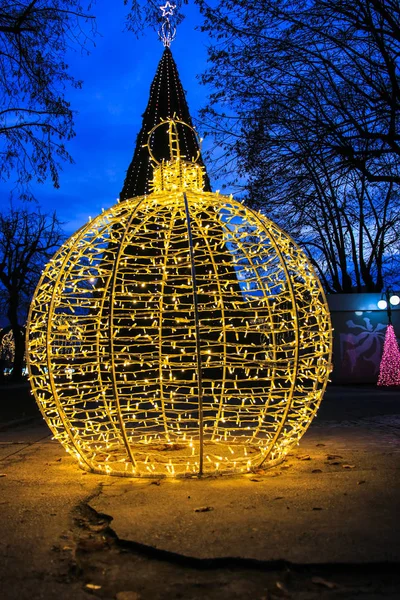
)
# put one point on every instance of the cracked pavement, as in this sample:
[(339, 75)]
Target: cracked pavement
[(324, 524)]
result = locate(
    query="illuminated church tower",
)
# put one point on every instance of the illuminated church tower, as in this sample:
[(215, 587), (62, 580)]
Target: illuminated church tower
[(167, 100)]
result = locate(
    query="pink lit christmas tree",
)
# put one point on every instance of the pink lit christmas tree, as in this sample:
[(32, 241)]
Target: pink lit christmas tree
[(389, 372)]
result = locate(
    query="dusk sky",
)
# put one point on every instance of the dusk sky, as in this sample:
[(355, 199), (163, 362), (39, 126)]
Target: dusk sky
[(117, 76)]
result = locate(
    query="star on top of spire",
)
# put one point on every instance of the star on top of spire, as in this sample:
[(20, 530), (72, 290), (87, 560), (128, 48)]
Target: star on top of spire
[(168, 31), (167, 9)]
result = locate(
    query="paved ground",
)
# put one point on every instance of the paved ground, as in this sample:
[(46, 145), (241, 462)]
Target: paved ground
[(322, 525)]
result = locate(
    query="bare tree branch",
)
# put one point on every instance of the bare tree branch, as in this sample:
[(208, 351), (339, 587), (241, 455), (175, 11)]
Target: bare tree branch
[(34, 38)]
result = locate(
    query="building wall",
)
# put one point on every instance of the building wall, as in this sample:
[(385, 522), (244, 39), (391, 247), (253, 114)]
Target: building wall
[(359, 332)]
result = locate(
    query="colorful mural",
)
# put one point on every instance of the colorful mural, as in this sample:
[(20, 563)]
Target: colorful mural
[(359, 333)]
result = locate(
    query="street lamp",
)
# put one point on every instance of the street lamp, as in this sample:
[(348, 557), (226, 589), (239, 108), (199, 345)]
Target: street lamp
[(388, 300), (394, 299)]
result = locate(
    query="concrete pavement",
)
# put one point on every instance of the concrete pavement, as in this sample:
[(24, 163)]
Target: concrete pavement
[(324, 524)]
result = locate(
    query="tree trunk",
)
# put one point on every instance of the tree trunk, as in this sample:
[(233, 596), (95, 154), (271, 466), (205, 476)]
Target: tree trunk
[(19, 340)]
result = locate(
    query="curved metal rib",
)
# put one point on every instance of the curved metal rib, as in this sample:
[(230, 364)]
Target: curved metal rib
[(197, 330)]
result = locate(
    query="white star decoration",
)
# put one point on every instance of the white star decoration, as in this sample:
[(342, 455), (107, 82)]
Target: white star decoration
[(168, 32), (167, 9)]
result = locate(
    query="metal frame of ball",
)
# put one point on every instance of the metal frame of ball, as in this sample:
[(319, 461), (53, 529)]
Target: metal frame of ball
[(271, 341)]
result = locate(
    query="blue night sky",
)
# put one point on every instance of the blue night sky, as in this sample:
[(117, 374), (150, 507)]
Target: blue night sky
[(117, 76)]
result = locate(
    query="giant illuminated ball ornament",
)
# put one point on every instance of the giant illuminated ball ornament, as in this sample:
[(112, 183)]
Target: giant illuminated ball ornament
[(179, 334)]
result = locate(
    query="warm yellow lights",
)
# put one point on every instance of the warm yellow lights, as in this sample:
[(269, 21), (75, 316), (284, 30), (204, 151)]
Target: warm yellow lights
[(177, 334)]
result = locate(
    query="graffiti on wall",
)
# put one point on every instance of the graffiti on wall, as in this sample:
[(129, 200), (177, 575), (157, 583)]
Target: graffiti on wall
[(361, 345)]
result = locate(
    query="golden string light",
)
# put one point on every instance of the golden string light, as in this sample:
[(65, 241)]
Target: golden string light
[(7, 346), (179, 333)]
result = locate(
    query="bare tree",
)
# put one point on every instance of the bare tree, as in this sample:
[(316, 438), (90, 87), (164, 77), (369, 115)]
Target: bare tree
[(330, 66), (35, 116), (305, 107), (349, 227), (27, 242)]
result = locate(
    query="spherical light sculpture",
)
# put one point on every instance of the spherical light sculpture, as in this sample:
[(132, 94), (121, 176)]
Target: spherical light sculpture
[(179, 334)]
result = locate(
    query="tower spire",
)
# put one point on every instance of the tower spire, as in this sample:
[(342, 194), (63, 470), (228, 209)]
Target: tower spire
[(167, 101)]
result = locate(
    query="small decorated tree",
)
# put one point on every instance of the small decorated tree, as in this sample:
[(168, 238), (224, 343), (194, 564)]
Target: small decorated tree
[(389, 372)]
